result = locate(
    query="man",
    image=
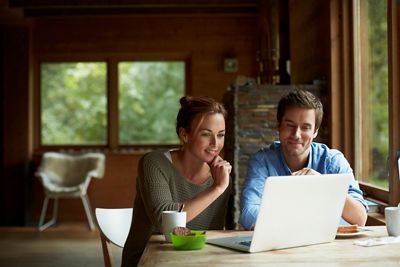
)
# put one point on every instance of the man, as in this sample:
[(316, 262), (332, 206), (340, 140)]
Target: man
[(299, 117)]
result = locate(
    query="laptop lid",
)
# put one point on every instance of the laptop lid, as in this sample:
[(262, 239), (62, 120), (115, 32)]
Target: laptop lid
[(295, 211)]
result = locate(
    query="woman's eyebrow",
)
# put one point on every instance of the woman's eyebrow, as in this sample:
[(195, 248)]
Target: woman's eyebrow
[(205, 129), (208, 130)]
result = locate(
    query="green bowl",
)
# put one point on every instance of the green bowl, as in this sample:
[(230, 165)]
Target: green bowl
[(190, 242)]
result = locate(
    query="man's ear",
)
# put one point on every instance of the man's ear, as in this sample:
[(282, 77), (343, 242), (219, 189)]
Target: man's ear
[(316, 132)]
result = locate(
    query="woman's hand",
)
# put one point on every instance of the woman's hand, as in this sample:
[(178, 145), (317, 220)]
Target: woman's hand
[(220, 170)]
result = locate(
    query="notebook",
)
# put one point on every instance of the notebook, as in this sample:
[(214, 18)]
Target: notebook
[(295, 211)]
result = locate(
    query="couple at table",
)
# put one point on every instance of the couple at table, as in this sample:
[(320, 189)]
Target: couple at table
[(197, 177)]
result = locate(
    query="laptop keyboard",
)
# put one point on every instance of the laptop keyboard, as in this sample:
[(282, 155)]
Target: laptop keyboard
[(245, 243)]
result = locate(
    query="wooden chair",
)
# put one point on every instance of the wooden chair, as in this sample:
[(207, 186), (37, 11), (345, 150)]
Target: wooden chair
[(114, 225)]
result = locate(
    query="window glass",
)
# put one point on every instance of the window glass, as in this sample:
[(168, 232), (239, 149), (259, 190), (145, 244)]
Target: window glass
[(374, 121), (149, 94), (73, 103)]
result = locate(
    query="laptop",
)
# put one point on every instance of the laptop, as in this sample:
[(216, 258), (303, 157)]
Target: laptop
[(295, 211)]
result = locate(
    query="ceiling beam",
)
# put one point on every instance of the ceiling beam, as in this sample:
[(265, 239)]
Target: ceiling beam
[(135, 7)]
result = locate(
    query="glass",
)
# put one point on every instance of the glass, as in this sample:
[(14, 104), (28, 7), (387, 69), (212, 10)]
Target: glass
[(73, 103), (149, 94), (373, 93)]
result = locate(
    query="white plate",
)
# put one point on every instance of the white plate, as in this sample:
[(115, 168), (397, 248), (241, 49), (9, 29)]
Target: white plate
[(360, 232)]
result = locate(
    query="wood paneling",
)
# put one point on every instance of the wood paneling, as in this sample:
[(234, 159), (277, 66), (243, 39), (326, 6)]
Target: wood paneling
[(203, 40), (135, 7), (309, 40), (342, 79), (394, 96), (14, 124)]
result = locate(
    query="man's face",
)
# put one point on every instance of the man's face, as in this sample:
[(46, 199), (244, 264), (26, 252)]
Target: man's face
[(296, 133)]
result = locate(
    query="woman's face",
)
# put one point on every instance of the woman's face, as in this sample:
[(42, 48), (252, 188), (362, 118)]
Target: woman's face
[(207, 137)]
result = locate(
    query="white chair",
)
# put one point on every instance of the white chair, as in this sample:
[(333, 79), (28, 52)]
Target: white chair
[(68, 176), (114, 227), (398, 165)]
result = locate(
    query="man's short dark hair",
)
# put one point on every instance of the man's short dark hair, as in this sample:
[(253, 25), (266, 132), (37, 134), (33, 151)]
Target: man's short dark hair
[(302, 99)]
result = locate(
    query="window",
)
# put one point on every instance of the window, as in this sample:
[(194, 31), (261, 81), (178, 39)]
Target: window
[(373, 37), (73, 103), (371, 92), (75, 107), (148, 104)]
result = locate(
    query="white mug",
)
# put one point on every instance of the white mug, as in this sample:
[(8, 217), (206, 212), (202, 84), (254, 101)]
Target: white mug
[(170, 220), (392, 216)]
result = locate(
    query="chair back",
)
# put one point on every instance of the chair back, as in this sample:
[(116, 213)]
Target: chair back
[(398, 165), (71, 170), (115, 224)]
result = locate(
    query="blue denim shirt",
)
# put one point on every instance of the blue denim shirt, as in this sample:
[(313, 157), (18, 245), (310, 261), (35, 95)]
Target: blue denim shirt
[(270, 161)]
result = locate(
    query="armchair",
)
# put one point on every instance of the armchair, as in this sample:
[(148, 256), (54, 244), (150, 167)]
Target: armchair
[(68, 176)]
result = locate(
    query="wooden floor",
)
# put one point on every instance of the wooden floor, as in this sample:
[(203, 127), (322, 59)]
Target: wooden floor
[(64, 245)]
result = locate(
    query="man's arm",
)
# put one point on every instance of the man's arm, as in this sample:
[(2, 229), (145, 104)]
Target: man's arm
[(252, 192), (355, 207), (354, 212)]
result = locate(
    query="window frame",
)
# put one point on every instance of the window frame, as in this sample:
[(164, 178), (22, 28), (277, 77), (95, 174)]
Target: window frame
[(111, 61), (394, 96), (342, 93)]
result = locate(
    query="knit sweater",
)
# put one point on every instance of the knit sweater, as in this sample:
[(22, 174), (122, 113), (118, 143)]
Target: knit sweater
[(161, 187)]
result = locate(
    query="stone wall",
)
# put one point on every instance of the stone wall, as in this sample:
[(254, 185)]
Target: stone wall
[(251, 125)]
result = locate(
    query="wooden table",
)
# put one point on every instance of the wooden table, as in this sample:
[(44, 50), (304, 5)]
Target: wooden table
[(341, 252)]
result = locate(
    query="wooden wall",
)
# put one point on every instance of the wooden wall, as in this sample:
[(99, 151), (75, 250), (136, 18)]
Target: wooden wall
[(203, 40), (309, 40), (14, 136)]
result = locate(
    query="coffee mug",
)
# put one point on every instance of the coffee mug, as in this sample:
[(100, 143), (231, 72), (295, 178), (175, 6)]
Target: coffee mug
[(172, 219), (392, 216)]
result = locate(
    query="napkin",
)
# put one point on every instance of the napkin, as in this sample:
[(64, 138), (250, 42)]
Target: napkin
[(377, 241)]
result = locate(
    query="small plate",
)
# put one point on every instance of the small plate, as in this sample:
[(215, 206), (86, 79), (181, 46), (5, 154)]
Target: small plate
[(360, 231)]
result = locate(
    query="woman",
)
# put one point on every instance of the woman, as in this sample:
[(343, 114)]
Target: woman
[(193, 176)]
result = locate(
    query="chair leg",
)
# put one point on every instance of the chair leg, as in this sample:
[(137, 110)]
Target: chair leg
[(42, 225), (43, 213), (107, 253), (88, 210), (55, 210)]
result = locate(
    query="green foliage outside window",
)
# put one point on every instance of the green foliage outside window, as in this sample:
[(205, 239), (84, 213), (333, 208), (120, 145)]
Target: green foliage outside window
[(73, 103), (378, 90), (149, 94)]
